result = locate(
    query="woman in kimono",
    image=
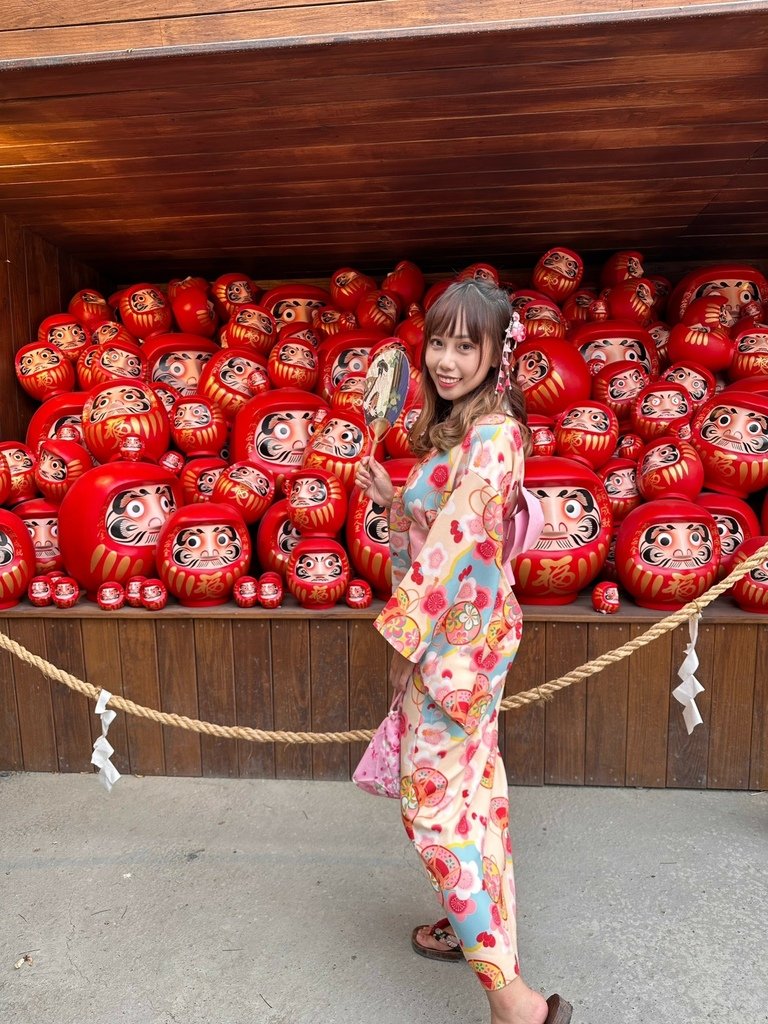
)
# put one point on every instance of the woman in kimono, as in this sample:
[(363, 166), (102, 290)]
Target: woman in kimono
[(455, 625)]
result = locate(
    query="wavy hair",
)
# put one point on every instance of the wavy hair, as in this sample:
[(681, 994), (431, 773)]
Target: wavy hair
[(482, 311)]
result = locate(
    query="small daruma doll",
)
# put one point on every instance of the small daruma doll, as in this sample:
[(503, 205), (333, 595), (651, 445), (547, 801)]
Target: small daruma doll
[(618, 384), (178, 360), (118, 409), (198, 427), (43, 371), (338, 446), (587, 432), (667, 553), (317, 573), (64, 332), (730, 433), (750, 356), (231, 291), (660, 408), (89, 307), (17, 559), (245, 592), (145, 311), (669, 467), (751, 591), (247, 487), (552, 374), (41, 518), (270, 590), (21, 466), (736, 522), (252, 327), (577, 528), (697, 381), (619, 478), (110, 520), (110, 596), (199, 477), (558, 273), (317, 502), (201, 552), (117, 360), (293, 363), (228, 379), (276, 537)]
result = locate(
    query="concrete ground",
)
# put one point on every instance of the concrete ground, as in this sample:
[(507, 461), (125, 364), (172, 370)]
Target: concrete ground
[(204, 901)]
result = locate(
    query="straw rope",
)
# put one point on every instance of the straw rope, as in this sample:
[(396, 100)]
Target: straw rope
[(543, 692)]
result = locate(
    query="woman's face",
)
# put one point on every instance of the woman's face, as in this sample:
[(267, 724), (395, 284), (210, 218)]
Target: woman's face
[(456, 364)]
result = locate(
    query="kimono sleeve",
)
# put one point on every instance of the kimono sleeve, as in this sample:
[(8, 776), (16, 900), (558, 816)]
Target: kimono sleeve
[(446, 598)]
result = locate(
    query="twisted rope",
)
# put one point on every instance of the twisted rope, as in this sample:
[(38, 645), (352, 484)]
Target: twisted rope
[(241, 732)]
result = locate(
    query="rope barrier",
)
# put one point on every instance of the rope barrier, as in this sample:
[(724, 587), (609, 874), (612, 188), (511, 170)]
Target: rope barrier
[(543, 692)]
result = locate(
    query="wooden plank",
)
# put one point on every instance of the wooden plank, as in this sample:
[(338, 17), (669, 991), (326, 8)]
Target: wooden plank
[(293, 713), (251, 645), (650, 680), (524, 727), (138, 649), (104, 667), (758, 769), (216, 694), (606, 745), (43, 297), (565, 714), (687, 755), (280, 25), (732, 707), (11, 758), (177, 673), (9, 413), (34, 699), (329, 680), (369, 695), (71, 711)]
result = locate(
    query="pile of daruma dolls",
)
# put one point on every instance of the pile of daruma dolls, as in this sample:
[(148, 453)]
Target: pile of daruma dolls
[(201, 440)]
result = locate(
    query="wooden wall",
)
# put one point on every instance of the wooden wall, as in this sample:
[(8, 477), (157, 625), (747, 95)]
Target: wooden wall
[(36, 280), (620, 728)]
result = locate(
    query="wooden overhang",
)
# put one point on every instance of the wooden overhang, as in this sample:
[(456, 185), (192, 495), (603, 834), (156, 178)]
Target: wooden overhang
[(285, 139)]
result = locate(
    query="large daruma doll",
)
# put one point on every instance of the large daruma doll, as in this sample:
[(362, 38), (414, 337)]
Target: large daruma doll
[(202, 551), (110, 521), (730, 433), (667, 553), (17, 559), (552, 374), (115, 410), (577, 529)]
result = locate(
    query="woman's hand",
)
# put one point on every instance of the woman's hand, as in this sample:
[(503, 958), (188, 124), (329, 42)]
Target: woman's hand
[(400, 671), (373, 480)]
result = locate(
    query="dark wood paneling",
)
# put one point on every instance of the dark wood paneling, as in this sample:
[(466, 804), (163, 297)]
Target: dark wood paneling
[(292, 696), (606, 749), (177, 672), (71, 711), (10, 738), (216, 693), (732, 707), (251, 644), (524, 727), (565, 721), (758, 774), (34, 699), (104, 667), (329, 659), (650, 675), (369, 695), (138, 649), (687, 756)]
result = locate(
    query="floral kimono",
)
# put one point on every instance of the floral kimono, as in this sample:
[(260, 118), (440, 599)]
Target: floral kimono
[(454, 615)]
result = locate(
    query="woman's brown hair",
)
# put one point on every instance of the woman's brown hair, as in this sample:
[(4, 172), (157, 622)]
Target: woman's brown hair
[(483, 312)]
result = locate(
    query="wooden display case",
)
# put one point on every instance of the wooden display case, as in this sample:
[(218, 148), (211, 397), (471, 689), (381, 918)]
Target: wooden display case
[(288, 139)]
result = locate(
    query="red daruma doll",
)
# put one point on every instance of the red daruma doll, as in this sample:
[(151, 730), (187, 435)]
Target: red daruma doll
[(667, 553), (317, 502), (117, 409), (577, 528), (43, 371), (338, 446), (17, 559), (144, 311), (318, 572), (558, 273), (110, 520), (202, 550)]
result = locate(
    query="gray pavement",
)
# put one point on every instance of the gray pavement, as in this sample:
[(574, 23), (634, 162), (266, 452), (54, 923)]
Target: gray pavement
[(202, 900)]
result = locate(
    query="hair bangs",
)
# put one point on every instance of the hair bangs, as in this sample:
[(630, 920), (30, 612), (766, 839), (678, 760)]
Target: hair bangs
[(465, 306)]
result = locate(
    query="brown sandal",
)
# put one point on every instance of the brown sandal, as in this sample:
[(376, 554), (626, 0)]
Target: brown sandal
[(439, 932), (560, 1011)]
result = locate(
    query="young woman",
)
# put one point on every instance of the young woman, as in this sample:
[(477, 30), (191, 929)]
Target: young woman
[(455, 626)]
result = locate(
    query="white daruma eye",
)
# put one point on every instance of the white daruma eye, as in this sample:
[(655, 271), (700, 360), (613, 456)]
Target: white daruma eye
[(696, 537), (664, 540), (572, 509), (134, 509)]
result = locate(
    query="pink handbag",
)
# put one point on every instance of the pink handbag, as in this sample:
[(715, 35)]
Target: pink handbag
[(379, 770)]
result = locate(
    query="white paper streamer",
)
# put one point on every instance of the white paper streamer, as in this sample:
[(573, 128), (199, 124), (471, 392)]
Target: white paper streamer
[(102, 748), (690, 687)]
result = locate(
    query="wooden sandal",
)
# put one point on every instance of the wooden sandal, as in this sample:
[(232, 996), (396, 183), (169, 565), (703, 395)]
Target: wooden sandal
[(560, 1011), (439, 932)]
